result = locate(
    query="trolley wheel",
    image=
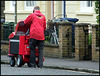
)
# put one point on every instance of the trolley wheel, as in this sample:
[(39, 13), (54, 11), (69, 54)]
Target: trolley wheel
[(23, 63), (12, 61), (19, 61)]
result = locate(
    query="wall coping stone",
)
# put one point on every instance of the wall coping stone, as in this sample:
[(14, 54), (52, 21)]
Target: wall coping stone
[(4, 42), (60, 23), (51, 45), (97, 48), (82, 24), (94, 25)]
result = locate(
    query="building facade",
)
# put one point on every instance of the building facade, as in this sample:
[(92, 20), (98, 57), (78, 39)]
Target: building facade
[(83, 10)]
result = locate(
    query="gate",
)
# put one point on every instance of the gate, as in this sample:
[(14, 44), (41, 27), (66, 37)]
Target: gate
[(87, 44)]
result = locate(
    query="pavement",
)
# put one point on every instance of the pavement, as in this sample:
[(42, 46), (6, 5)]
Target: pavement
[(65, 64)]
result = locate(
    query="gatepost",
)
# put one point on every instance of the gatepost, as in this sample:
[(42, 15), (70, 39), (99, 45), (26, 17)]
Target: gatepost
[(81, 41), (65, 38), (95, 42)]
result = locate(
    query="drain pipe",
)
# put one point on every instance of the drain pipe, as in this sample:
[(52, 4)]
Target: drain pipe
[(64, 8), (15, 12), (15, 15), (52, 9)]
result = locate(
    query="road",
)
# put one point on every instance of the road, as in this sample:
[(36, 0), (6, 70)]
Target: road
[(24, 70)]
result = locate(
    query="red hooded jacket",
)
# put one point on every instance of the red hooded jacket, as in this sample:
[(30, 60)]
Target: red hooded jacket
[(37, 23)]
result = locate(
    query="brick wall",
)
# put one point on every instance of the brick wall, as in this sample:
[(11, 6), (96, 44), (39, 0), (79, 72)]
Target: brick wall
[(52, 50), (1, 31), (4, 47), (81, 41), (65, 39), (64, 48), (95, 50)]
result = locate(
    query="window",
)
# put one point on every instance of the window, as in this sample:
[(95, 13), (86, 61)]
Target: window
[(12, 5), (86, 6), (89, 3), (29, 5)]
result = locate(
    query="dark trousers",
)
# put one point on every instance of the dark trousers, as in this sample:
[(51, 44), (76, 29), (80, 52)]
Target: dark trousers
[(32, 43)]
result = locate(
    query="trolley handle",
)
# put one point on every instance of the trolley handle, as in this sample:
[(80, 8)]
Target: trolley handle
[(27, 32)]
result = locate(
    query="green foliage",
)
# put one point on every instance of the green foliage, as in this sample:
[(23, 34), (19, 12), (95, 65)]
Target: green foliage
[(90, 39), (47, 39), (97, 10), (97, 19)]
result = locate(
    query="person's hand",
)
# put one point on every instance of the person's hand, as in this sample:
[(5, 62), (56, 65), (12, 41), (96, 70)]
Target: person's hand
[(21, 23)]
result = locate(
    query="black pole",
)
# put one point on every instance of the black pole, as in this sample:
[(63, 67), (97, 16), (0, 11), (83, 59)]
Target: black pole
[(99, 30), (99, 34)]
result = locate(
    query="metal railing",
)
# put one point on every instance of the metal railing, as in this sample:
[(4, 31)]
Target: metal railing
[(52, 35), (6, 31), (51, 38), (97, 36)]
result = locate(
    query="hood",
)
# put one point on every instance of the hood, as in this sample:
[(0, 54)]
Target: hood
[(21, 28), (38, 13)]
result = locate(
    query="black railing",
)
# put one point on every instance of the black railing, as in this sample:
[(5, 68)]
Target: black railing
[(6, 31), (51, 35), (97, 36)]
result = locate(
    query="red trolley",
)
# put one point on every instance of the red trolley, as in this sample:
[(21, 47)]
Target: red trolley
[(19, 51)]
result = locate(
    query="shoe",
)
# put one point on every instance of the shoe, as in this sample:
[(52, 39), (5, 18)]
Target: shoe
[(40, 67), (30, 65)]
